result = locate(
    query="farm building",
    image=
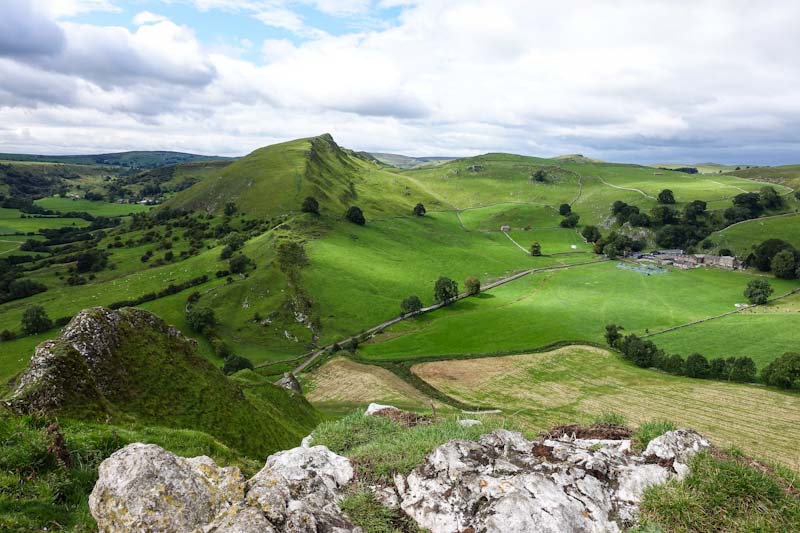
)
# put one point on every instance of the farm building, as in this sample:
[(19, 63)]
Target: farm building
[(505, 228), (687, 261)]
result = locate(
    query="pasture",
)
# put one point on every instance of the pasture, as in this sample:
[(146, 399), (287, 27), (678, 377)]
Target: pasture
[(740, 238), (540, 390), (571, 304), (12, 222), (98, 209)]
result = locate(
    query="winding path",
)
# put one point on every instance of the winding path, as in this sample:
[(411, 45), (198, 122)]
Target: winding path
[(627, 189)]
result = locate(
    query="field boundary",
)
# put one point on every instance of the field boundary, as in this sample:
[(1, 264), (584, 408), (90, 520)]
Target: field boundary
[(727, 313), (315, 354), (790, 214)]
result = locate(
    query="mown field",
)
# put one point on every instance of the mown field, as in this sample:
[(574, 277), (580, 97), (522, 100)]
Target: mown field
[(572, 384), (571, 304), (741, 238)]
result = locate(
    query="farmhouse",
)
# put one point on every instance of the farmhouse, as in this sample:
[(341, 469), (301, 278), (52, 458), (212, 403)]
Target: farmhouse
[(505, 228), (679, 259)]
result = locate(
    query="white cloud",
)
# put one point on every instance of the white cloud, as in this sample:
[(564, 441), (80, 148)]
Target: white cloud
[(146, 17), (613, 79)]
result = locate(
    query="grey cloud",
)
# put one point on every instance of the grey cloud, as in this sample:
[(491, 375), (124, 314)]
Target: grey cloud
[(25, 32)]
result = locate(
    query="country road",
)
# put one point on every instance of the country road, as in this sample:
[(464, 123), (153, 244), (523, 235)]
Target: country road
[(314, 355)]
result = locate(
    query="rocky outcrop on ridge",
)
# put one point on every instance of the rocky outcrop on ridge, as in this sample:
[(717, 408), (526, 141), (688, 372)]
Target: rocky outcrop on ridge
[(501, 483)]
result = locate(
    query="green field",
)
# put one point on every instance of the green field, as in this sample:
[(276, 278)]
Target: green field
[(11, 222), (98, 209), (571, 304), (741, 238)]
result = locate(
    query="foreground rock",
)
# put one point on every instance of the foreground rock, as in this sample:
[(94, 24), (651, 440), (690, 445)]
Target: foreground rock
[(142, 487), (505, 483)]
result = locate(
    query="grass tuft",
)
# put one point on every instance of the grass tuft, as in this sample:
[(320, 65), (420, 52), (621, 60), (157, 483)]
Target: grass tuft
[(721, 494), (366, 512), (647, 431), (610, 417)]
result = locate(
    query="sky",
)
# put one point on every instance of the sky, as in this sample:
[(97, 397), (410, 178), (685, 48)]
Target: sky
[(656, 81)]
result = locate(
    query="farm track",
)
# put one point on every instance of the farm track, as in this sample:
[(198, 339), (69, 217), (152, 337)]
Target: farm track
[(627, 189)]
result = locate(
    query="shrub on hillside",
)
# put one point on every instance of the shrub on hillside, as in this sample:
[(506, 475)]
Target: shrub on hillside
[(235, 363), (310, 205), (784, 264), (199, 319), (473, 285), (240, 264), (536, 249), (35, 320), (564, 209), (570, 221), (412, 304), (758, 291), (666, 197), (591, 233), (419, 210), (355, 215)]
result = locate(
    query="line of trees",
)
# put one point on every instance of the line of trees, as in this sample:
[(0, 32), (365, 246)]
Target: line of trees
[(645, 354)]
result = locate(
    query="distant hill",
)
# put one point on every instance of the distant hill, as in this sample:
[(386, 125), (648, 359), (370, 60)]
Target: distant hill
[(134, 160), (276, 179), (702, 168), (576, 158), (788, 175), (407, 161)]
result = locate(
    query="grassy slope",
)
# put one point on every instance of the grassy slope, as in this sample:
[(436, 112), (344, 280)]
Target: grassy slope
[(762, 333), (572, 304), (788, 175), (741, 238), (574, 383), (275, 180)]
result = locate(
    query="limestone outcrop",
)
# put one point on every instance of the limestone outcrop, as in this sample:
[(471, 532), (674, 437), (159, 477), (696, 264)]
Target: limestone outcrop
[(506, 483), (143, 487)]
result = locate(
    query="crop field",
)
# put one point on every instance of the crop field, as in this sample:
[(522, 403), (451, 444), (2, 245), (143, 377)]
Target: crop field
[(740, 238), (98, 209), (570, 304), (345, 384), (577, 383)]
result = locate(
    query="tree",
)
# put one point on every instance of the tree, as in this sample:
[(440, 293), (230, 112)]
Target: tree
[(445, 290), (749, 201), (764, 252), (230, 209), (539, 176), (758, 291), (412, 304), (570, 221), (666, 197), (783, 372), (564, 209), (536, 249), (310, 205), (743, 370), (696, 366), (591, 233), (770, 198), (419, 210), (235, 363), (784, 264), (473, 285), (673, 364), (642, 353), (613, 334), (240, 264), (200, 318), (91, 261), (639, 220), (355, 215), (662, 214), (35, 320)]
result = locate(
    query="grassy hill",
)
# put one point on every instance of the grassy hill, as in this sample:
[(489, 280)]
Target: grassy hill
[(788, 175), (135, 159), (276, 179)]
